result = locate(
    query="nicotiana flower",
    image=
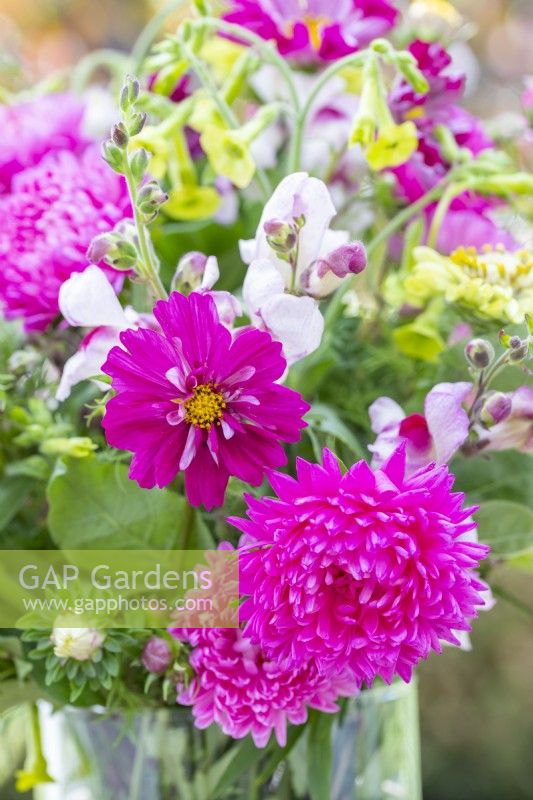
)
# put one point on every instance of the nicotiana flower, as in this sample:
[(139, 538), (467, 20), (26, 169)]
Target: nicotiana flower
[(236, 686), (35, 128), (47, 222), (199, 400), (433, 437), (295, 259), (80, 644), (494, 283), (315, 30), (365, 570)]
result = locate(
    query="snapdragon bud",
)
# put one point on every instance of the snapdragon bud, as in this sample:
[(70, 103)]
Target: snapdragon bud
[(496, 408), (347, 259), (136, 123), (189, 272), (120, 136), (280, 235), (157, 655), (114, 249), (479, 353), (150, 197)]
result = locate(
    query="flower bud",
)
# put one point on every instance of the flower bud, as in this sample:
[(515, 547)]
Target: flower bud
[(280, 235), (519, 353), (346, 259), (113, 156), (496, 408), (136, 123), (150, 197), (157, 655), (112, 248), (129, 93), (407, 65), (479, 353), (189, 272), (119, 134), (80, 644), (139, 164)]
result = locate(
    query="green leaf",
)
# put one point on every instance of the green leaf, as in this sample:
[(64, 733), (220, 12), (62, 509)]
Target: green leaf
[(94, 505), (319, 754), (325, 420), (13, 493), (507, 527), (506, 475), (228, 769)]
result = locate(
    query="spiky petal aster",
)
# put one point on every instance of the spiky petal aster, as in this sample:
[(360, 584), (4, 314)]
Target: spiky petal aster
[(47, 223), (241, 690), (366, 570), (198, 399)]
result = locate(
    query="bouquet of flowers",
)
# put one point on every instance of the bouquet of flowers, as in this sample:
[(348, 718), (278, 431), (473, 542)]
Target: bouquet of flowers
[(279, 314)]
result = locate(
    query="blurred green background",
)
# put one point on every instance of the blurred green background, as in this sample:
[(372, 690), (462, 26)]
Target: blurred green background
[(476, 708)]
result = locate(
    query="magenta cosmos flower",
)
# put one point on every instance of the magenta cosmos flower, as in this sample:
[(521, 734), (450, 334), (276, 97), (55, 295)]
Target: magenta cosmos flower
[(366, 570), (241, 690), (315, 30), (197, 399), (32, 130), (47, 223)]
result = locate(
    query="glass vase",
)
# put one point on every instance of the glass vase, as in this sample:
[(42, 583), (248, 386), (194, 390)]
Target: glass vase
[(160, 755)]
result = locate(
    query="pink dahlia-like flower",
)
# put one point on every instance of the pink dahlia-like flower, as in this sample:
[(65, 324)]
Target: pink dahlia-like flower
[(366, 570), (46, 225), (197, 399), (315, 30), (241, 690), (32, 130)]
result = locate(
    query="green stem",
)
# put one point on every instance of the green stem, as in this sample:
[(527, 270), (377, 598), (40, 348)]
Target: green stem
[(498, 591), (148, 269), (226, 112), (148, 34), (335, 304), (137, 772), (301, 119), (442, 209), (267, 50), (116, 62)]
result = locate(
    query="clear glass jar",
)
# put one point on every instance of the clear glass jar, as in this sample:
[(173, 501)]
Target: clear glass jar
[(159, 755)]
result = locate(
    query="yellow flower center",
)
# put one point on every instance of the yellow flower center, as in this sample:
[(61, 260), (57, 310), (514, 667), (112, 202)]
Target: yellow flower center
[(496, 265), (205, 407), (314, 25)]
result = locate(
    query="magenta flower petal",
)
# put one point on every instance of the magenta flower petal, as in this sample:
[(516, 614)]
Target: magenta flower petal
[(196, 400), (367, 570), (238, 688), (47, 223)]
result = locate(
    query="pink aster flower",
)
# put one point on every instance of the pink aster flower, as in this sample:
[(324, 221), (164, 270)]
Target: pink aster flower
[(364, 570), (315, 30), (200, 400), (47, 222), (32, 130), (238, 688)]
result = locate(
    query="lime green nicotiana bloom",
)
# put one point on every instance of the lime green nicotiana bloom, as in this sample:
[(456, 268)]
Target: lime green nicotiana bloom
[(493, 283), (395, 144)]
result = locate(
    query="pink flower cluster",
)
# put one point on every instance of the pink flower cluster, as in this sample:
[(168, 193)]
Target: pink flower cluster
[(59, 194), (365, 570), (243, 691)]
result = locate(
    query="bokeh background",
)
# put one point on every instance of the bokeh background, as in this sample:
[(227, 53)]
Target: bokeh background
[(476, 708)]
